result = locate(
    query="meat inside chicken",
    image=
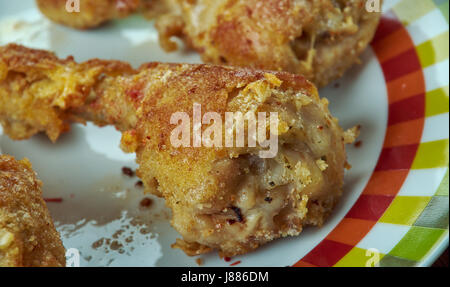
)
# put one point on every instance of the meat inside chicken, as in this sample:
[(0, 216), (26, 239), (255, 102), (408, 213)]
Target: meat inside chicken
[(223, 198), (27, 235)]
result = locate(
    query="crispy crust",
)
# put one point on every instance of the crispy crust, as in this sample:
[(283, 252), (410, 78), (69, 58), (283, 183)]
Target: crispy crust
[(27, 235), (218, 195), (22, 114), (318, 39)]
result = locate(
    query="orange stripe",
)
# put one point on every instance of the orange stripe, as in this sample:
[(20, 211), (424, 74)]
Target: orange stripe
[(385, 182), (405, 133), (350, 231), (393, 45), (412, 84), (303, 264)]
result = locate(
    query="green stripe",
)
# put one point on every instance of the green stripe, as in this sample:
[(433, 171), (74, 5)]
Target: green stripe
[(431, 155), (439, 2), (444, 9), (434, 50), (405, 210), (416, 243), (443, 187), (443, 6), (392, 261), (437, 102), (435, 214)]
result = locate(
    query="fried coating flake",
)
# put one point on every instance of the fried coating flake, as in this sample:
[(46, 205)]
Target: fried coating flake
[(223, 198), (27, 235)]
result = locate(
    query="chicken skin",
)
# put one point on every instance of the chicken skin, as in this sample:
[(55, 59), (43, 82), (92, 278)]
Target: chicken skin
[(319, 39), (228, 199), (27, 235)]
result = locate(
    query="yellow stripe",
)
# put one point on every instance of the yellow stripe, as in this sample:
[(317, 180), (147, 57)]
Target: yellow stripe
[(437, 102), (432, 155), (410, 10), (434, 50), (358, 257), (405, 210)]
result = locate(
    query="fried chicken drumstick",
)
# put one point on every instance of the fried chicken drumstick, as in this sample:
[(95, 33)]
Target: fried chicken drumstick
[(319, 39), (27, 235), (228, 199)]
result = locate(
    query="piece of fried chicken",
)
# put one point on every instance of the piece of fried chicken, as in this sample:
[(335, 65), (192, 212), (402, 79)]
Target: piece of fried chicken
[(319, 39), (223, 198), (92, 13), (27, 235)]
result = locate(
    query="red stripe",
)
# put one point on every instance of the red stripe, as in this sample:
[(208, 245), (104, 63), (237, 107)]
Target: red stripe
[(388, 24), (406, 110), (397, 158), (327, 253), (370, 207), (401, 65), (302, 263)]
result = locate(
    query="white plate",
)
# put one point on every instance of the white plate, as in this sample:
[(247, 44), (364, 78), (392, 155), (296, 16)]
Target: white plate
[(98, 202)]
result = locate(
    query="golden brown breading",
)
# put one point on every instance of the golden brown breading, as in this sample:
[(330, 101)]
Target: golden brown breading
[(224, 198), (22, 114), (92, 13), (319, 39), (27, 235)]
